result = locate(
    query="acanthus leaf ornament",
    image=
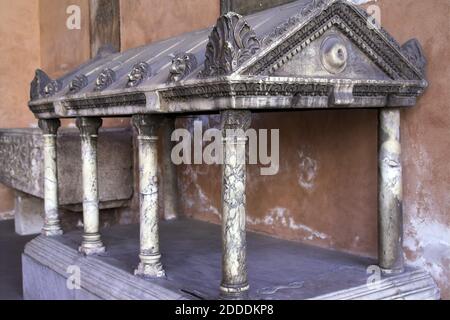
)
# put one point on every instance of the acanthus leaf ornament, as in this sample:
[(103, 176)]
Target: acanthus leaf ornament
[(40, 81), (414, 52), (105, 79), (140, 72), (182, 65), (232, 42)]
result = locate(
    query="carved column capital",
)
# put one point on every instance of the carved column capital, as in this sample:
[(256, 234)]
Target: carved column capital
[(236, 119), (89, 126), (49, 126), (147, 125)]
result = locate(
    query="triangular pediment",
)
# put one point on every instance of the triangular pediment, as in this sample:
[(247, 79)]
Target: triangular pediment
[(302, 47), (332, 55)]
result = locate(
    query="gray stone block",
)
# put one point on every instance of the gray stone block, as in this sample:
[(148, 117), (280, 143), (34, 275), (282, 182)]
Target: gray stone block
[(28, 214), (22, 169)]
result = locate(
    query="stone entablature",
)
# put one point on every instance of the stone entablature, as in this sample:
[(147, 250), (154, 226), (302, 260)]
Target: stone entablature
[(242, 63)]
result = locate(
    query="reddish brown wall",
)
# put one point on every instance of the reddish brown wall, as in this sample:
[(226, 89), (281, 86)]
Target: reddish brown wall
[(62, 49), (325, 191), (145, 21), (426, 137), (19, 56)]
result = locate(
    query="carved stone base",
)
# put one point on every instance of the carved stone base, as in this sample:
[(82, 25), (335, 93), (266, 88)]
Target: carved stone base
[(28, 214), (229, 292), (392, 271), (305, 272), (51, 232), (150, 267), (52, 228), (92, 245)]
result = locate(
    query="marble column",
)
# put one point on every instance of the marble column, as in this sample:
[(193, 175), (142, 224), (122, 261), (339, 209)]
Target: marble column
[(170, 183), (52, 225), (234, 267), (92, 243), (150, 257), (390, 215)]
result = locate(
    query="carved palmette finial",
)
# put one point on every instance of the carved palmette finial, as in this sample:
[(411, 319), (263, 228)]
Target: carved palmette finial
[(78, 83), (182, 65), (140, 72), (315, 5), (232, 42), (414, 52), (105, 79)]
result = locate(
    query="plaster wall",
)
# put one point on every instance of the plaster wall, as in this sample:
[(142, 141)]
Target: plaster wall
[(426, 137), (20, 54), (145, 21)]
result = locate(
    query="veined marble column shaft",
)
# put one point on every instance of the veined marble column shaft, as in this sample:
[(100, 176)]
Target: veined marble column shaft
[(52, 225), (390, 214), (170, 185), (234, 258), (92, 243), (150, 256)]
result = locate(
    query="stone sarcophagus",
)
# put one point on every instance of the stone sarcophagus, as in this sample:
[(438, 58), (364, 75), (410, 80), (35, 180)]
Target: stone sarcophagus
[(308, 54), (21, 152)]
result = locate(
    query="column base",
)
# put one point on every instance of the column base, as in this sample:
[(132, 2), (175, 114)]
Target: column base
[(52, 230), (92, 245), (234, 292), (150, 267), (392, 271)]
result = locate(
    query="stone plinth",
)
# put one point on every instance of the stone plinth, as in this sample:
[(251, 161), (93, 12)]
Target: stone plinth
[(306, 272)]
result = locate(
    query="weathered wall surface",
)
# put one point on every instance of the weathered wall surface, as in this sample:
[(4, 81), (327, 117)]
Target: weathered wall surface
[(19, 52), (325, 191), (145, 21), (62, 49), (426, 137)]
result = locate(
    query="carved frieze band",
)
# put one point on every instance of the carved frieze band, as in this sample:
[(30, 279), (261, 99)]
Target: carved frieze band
[(299, 88)]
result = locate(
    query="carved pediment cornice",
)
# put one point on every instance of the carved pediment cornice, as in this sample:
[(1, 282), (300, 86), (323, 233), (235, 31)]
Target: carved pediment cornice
[(293, 36)]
